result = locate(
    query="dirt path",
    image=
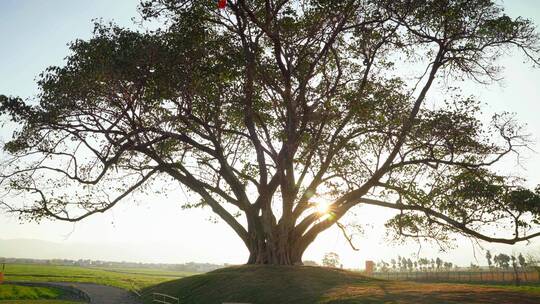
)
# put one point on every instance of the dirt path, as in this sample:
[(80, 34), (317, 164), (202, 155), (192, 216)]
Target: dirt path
[(101, 294)]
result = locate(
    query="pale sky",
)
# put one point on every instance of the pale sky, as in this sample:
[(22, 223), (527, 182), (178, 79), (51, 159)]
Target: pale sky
[(34, 34)]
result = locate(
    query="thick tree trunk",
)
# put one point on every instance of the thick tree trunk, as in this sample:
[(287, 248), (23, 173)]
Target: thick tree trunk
[(276, 252), (273, 242)]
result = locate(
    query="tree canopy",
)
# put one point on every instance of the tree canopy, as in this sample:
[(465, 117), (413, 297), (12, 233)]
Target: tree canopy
[(266, 108)]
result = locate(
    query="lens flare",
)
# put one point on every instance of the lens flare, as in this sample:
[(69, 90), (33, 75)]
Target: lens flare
[(322, 207)]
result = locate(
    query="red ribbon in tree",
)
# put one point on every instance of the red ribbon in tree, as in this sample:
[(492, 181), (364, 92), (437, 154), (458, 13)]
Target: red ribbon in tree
[(222, 3)]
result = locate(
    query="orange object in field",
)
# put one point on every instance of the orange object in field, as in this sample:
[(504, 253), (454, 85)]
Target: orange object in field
[(370, 266), (2, 273)]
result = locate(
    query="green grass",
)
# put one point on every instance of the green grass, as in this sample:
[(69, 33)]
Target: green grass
[(150, 272), (15, 292), (130, 278), (38, 302), (307, 285)]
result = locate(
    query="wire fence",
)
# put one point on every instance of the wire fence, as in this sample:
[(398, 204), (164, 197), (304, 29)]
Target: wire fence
[(164, 298), (525, 276)]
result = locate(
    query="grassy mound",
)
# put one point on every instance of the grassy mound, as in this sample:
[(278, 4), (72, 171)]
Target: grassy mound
[(307, 285), (258, 284)]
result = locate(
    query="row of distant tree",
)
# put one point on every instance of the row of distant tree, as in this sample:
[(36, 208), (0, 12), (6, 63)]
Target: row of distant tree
[(500, 261), (330, 259), (408, 264), (506, 261)]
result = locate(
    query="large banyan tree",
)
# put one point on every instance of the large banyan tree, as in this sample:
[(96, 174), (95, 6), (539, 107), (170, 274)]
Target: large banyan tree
[(268, 107)]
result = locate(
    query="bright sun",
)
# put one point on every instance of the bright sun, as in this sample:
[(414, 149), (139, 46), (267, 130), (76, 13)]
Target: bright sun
[(322, 206)]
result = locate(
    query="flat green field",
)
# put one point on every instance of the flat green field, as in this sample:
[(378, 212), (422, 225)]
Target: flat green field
[(150, 272), (127, 278)]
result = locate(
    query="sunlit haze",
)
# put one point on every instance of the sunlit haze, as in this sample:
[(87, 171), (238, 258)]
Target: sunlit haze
[(152, 227)]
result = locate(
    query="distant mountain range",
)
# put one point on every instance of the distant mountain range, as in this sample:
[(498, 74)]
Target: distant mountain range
[(39, 249)]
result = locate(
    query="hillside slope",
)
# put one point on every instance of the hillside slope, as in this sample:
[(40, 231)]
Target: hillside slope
[(308, 285), (259, 284)]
